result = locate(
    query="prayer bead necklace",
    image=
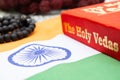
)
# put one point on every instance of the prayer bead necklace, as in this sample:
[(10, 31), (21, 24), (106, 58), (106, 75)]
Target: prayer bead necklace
[(13, 28)]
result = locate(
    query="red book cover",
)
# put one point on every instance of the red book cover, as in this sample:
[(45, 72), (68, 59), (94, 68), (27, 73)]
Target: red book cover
[(97, 26)]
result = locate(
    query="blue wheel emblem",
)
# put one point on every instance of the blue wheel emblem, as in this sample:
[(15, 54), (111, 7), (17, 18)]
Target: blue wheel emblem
[(34, 55)]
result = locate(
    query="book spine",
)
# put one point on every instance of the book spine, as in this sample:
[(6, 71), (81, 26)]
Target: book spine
[(93, 34)]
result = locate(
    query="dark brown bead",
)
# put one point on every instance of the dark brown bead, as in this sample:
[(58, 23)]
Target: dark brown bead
[(26, 33), (0, 24), (44, 6), (15, 25), (5, 29), (14, 37), (1, 30), (1, 39), (32, 26), (20, 34), (11, 27), (7, 37), (29, 29), (5, 22), (56, 4), (12, 20)]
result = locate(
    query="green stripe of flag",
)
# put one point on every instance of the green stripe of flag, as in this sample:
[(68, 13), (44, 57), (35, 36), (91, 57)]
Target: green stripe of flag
[(97, 67)]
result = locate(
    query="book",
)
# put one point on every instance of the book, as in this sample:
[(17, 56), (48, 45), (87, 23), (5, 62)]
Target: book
[(96, 26)]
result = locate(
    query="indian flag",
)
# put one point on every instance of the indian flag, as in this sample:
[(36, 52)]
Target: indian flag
[(60, 58), (48, 54)]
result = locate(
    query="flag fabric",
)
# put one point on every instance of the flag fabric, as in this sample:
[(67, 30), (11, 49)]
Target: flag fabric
[(48, 54), (97, 67), (34, 57)]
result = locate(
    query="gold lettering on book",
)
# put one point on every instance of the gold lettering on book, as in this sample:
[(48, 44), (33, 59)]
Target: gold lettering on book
[(69, 28), (105, 42), (83, 34), (116, 47)]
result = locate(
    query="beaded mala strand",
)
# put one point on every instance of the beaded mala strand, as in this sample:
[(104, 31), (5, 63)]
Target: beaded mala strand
[(43, 6), (13, 28)]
